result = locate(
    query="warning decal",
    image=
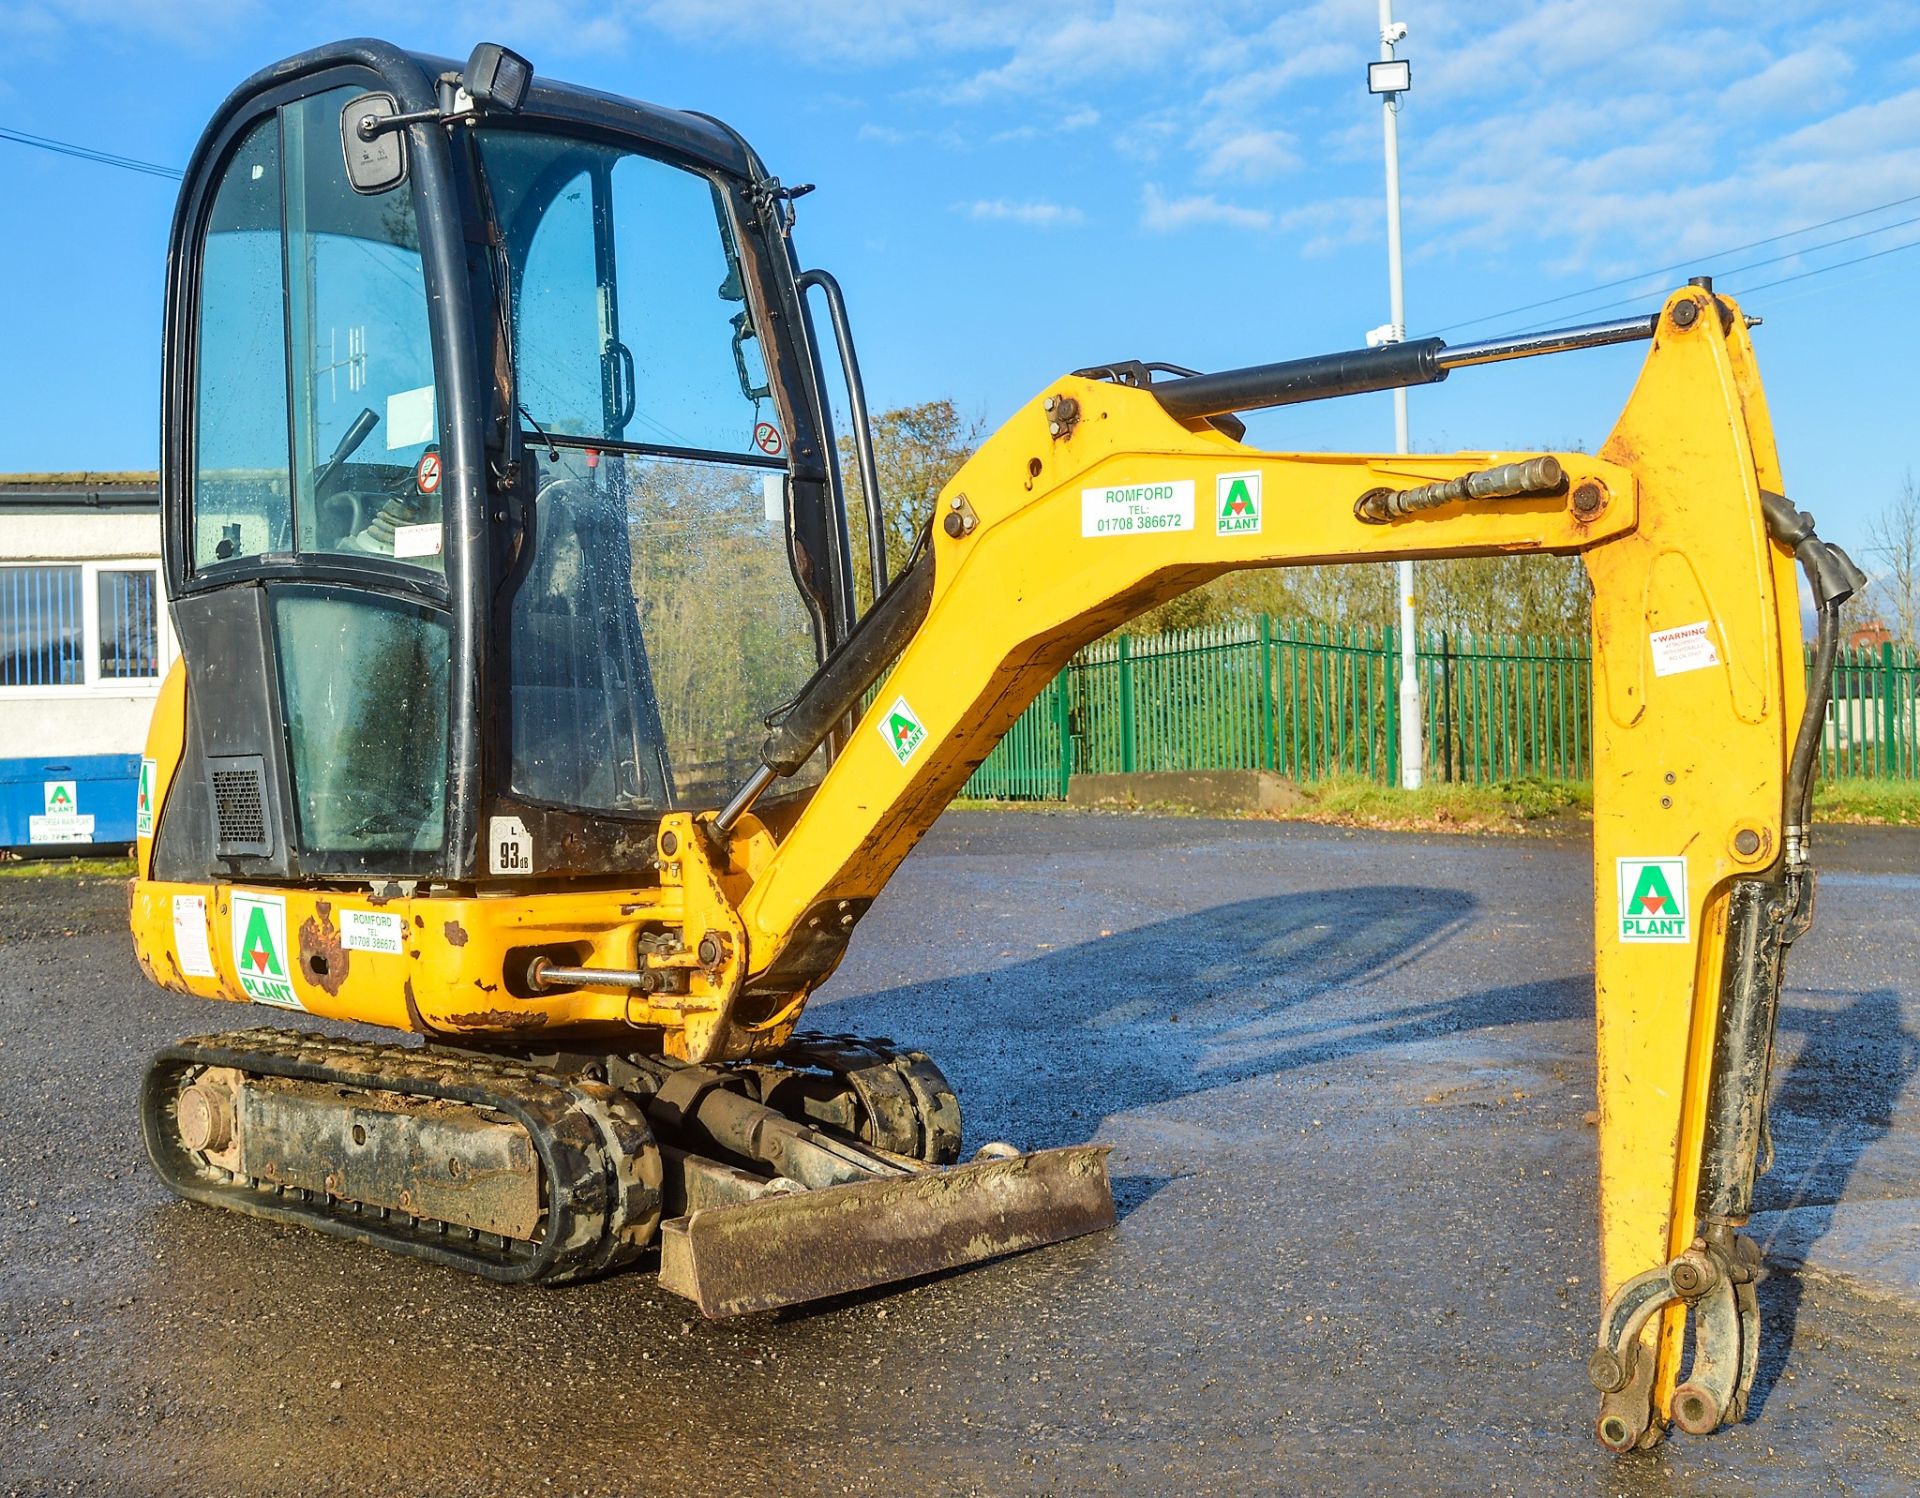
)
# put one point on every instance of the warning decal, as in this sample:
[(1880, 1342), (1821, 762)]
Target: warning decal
[(766, 437), (1688, 648)]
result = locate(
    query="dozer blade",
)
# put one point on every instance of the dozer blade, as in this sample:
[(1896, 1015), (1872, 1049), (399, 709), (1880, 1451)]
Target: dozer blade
[(784, 1250)]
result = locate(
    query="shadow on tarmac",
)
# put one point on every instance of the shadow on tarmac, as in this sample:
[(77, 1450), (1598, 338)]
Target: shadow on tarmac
[(1199, 1002), (1840, 1095)]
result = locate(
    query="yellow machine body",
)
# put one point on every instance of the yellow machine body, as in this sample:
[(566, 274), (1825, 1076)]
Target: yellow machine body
[(1697, 695)]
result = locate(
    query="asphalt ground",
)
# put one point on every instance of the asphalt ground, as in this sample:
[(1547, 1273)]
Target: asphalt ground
[(1345, 1077)]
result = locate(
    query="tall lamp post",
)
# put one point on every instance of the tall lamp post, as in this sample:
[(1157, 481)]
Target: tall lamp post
[(1390, 78)]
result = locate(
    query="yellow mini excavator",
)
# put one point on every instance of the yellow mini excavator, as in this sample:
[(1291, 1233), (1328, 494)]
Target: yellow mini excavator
[(504, 516)]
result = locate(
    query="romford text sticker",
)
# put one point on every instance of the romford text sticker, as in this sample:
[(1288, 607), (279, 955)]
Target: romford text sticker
[(260, 950), (903, 732), (1688, 648), (1137, 509), (1653, 899), (1236, 509), (372, 931)]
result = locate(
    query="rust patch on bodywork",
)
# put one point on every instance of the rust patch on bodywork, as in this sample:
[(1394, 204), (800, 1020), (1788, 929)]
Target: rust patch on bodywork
[(323, 960), (456, 934), (499, 1019), (416, 1021)]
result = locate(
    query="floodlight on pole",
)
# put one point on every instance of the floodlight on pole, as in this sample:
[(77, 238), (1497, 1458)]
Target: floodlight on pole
[(1391, 77)]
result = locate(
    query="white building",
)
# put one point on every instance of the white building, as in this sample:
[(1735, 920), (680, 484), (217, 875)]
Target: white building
[(84, 644)]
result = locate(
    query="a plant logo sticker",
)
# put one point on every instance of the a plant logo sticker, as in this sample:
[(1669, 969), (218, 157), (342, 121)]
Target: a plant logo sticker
[(59, 796), (1653, 899), (1236, 509), (260, 949), (903, 732), (143, 801)]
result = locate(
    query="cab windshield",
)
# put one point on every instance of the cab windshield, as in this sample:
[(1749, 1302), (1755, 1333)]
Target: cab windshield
[(655, 616)]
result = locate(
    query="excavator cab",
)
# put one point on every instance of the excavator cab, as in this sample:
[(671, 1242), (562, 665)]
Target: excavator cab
[(501, 501)]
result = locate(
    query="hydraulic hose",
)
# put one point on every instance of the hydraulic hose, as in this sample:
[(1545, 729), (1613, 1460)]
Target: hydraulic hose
[(1834, 579)]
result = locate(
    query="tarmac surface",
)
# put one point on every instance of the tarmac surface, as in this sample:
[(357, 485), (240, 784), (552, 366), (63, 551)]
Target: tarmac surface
[(1345, 1077)]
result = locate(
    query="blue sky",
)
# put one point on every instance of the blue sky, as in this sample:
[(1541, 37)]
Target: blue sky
[(1008, 191)]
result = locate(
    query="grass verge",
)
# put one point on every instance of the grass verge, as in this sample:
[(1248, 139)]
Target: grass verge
[(1514, 805), (66, 868), (1867, 802)]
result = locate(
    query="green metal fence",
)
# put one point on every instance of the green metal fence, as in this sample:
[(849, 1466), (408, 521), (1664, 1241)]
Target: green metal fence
[(1312, 700)]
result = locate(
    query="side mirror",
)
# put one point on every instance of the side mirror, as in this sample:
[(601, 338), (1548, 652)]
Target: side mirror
[(376, 157)]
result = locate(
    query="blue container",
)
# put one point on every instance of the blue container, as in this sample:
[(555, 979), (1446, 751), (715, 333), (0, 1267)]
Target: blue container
[(69, 805)]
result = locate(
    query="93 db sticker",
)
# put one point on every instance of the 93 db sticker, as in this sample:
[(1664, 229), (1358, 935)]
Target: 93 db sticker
[(1653, 899), (1137, 509), (903, 732), (260, 950), (509, 847)]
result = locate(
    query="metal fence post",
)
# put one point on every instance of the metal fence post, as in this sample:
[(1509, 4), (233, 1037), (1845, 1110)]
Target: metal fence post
[(1266, 692), (1063, 728), (1126, 704)]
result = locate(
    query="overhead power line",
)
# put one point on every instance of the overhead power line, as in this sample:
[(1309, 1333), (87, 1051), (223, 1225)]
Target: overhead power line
[(87, 153), (1691, 263), (1739, 270)]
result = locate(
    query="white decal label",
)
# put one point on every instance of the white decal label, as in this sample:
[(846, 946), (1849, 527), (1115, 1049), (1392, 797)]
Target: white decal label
[(1688, 648), (1236, 505), (260, 950), (410, 418), (190, 945), (509, 848), (416, 540), (1653, 899), (903, 732), (372, 931), (64, 829), (143, 801), (1137, 509)]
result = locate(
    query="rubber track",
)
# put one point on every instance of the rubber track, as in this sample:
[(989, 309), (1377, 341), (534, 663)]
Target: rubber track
[(600, 1167)]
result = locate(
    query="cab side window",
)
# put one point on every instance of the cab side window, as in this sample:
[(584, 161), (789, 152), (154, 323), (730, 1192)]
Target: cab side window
[(317, 426), (244, 506)]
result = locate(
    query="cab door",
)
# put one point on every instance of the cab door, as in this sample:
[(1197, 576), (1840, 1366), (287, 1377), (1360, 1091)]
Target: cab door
[(307, 517)]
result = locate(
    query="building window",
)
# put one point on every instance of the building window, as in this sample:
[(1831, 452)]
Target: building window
[(41, 626), (81, 625), (129, 635)]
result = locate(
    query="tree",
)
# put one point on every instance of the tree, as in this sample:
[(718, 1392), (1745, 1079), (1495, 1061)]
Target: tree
[(916, 450), (1893, 540)]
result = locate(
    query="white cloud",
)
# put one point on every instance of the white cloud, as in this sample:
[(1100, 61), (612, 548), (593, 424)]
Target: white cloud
[(1801, 82), (1252, 156), (1163, 215), (1035, 215)]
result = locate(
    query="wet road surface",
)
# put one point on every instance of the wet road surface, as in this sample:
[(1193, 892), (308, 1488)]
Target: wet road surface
[(1344, 1073)]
